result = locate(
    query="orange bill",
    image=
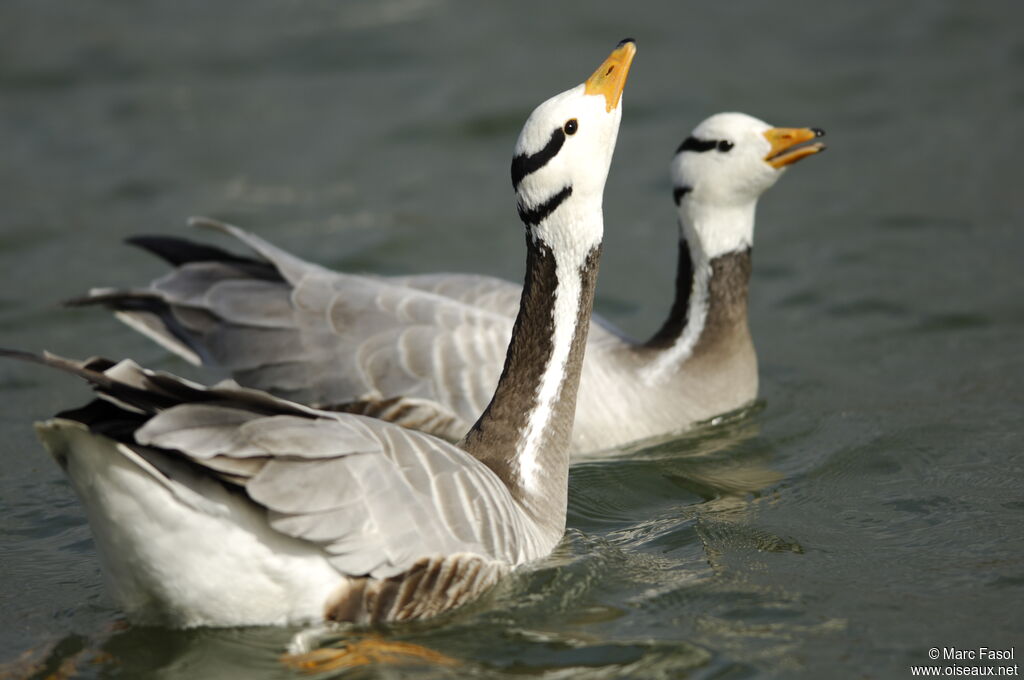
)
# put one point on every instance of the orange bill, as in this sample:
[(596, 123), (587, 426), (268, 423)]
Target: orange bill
[(788, 145), (610, 77)]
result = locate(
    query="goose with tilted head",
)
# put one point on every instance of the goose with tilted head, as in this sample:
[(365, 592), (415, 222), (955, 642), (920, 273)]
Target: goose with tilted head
[(228, 506), (426, 351)]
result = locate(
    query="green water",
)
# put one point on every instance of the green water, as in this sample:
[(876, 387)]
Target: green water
[(867, 509)]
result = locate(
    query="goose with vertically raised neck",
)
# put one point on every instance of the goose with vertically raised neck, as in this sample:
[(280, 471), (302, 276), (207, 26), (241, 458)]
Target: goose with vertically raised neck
[(227, 506), (426, 351)]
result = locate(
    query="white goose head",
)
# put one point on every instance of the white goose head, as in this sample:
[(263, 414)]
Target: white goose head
[(723, 167), (564, 152)]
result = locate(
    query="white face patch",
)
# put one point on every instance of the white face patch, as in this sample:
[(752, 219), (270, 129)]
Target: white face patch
[(580, 165), (589, 142), (723, 182)]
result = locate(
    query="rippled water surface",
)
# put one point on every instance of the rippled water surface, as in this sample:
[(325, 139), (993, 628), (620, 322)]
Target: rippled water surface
[(869, 507)]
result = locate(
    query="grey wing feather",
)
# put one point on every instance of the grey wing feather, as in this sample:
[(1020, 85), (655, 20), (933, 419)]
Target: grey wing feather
[(485, 292), (415, 414), (289, 266), (376, 497), (326, 338)]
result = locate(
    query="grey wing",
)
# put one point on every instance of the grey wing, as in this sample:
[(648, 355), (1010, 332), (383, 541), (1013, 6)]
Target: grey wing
[(485, 292), (325, 338), (376, 340), (497, 295), (376, 497), (423, 415)]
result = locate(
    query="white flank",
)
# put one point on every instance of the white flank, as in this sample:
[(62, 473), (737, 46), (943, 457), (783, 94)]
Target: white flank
[(182, 556)]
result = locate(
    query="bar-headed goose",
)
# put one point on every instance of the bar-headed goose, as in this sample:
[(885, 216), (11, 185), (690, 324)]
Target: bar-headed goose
[(426, 351), (227, 506)]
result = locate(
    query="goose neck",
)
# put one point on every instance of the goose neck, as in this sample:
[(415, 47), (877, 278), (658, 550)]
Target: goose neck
[(525, 432), (712, 276)]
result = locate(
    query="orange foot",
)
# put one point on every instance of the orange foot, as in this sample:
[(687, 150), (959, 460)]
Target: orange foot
[(365, 651)]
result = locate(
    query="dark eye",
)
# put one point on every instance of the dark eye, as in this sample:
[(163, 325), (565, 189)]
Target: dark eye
[(724, 145), (571, 126)]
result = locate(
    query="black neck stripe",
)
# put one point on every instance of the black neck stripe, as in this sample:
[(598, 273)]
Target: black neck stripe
[(699, 145), (679, 192), (523, 165), (533, 217)]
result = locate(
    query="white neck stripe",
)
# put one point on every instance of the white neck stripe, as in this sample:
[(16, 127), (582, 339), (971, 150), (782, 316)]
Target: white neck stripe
[(564, 317)]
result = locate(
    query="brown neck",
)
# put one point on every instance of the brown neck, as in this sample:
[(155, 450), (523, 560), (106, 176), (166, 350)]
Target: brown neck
[(723, 290), (506, 434), (726, 319)]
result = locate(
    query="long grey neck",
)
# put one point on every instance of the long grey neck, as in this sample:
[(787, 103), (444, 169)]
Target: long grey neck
[(710, 294), (524, 433)]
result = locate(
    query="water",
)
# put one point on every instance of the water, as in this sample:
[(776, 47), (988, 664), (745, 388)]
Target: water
[(867, 509)]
